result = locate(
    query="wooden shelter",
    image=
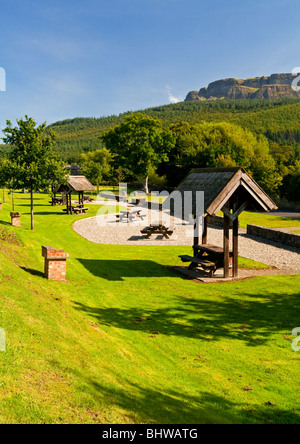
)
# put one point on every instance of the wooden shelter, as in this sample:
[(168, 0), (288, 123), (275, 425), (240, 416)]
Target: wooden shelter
[(75, 184), (230, 190)]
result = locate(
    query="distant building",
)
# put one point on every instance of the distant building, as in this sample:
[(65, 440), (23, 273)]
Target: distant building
[(74, 170)]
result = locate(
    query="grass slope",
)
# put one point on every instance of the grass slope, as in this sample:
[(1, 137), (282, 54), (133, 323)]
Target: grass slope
[(126, 340)]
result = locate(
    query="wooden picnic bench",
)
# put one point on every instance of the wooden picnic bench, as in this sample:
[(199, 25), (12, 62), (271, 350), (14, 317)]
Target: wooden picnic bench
[(130, 215), (157, 229), (55, 201), (208, 257), (76, 209), (79, 209), (88, 199)]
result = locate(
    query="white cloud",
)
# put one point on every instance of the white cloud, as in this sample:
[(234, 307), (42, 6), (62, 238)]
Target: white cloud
[(172, 98)]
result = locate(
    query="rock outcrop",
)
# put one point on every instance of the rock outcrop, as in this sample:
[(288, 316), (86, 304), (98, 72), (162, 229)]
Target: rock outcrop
[(273, 87)]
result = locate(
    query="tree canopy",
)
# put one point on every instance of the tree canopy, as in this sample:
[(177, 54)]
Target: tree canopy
[(32, 162), (221, 144), (95, 165), (140, 144)]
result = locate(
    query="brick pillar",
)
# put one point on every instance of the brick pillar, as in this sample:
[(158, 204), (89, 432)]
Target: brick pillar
[(1, 208), (55, 263), (15, 219)]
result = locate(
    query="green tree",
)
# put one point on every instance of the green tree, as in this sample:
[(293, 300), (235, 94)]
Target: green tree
[(3, 174), (140, 144), (95, 165), (291, 184), (33, 163), (222, 144)]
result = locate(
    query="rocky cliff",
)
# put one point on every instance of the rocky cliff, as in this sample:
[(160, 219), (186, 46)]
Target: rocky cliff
[(272, 87)]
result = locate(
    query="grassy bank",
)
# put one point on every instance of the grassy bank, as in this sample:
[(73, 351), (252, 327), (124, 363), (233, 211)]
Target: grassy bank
[(125, 340)]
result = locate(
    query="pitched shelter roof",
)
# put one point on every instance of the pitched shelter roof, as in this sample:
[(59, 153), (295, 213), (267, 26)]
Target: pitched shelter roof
[(219, 185), (77, 183)]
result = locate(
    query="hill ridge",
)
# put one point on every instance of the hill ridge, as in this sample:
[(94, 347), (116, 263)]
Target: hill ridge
[(276, 86)]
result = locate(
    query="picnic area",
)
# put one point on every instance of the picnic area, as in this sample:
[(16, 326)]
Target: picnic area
[(128, 339)]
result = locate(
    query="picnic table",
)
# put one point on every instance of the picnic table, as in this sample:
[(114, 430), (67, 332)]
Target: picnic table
[(157, 229), (208, 257), (80, 208), (88, 199), (55, 201), (130, 215)]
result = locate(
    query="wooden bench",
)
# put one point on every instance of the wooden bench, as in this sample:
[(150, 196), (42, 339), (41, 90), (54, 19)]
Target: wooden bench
[(55, 202), (206, 265), (77, 210), (130, 215), (157, 229), (88, 198), (138, 214)]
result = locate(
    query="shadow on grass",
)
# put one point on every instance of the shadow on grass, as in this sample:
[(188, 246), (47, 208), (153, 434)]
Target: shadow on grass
[(28, 205), (49, 213), (254, 318), (117, 270), (33, 272), (2, 222), (149, 405)]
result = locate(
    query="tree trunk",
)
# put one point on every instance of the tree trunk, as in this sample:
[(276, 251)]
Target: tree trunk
[(31, 202), (146, 185)]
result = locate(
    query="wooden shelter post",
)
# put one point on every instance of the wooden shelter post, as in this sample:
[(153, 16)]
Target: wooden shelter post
[(205, 229), (226, 246), (70, 203), (196, 230), (235, 264)]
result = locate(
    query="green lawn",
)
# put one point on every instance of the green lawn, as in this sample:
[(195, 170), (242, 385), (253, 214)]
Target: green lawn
[(126, 340), (267, 220)]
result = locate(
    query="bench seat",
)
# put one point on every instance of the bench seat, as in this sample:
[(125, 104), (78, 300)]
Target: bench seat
[(206, 265)]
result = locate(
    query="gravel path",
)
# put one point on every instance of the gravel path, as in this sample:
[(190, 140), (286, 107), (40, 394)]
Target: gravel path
[(104, 229)]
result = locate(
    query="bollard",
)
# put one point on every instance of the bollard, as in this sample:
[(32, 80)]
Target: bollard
[(15, 219), (55, 263)]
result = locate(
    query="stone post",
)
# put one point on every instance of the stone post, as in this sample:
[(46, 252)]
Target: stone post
[(55, 263), (15, 219)]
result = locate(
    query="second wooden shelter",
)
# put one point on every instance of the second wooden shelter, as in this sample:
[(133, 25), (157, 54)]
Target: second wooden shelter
[(75, 184)]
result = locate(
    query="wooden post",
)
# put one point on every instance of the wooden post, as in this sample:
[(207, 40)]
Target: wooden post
[(204, 236), (236, 247), (226, 246), (196, 231), (235, 265)]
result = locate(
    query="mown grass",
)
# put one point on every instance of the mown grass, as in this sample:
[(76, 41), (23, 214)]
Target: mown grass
[(267, 220), (126, 340)]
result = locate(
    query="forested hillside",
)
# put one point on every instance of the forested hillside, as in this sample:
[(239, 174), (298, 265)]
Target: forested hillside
[(277, 120), (261, 135)]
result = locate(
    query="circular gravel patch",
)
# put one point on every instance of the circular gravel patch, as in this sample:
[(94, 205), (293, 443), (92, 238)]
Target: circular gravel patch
[(106, 229)]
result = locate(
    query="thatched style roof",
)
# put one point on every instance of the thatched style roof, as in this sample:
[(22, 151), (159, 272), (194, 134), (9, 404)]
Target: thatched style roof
[(219, 185), (76, 184)]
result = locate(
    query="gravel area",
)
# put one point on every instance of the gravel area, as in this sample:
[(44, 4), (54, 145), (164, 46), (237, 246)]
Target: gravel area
[(105, 229)]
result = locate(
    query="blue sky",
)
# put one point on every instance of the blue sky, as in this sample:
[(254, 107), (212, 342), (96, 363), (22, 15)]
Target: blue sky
[(91, 58)]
